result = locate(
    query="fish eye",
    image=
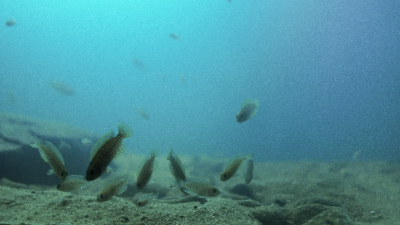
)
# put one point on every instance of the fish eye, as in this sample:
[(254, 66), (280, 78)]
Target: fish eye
[(139, 203), (139, 184), (58, 186), (215, 190), (91, 172), (62, 174), (224, 175), (101, 196)]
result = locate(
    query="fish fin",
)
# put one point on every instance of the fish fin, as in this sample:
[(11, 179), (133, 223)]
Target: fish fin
[(253, 113), (50, 172), (110, 134), (123, 189), (256, 102), (169, 156), (121, 149), (55, 150), (187, 191), (125, 130), (247, 101)]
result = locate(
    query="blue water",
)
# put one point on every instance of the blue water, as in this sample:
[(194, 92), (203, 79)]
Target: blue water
[(326, 73)]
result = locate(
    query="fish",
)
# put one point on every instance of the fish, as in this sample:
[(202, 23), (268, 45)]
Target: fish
[(174, 36), (175, 167), (72, 182), (86, 142), (196, 186), (248, 174), (112, 187), (138, 64), (248, 110), (105, 150), (356, 154), (50, 154), (62, 88), (233, 165), (11, 22), (143, 113), (146, 170), (147, 199)]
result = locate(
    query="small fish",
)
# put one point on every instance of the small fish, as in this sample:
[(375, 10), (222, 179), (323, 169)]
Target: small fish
[(248, 174), (143, 113), (105, 150), (111, 188), (175, 167), (146, 170), (62, 88), (50, 154), (147, 199), (248, 110), (138, 64), (198, 187), (11, 22), (72, 182), (174, 36), (233, 165), (86, 142)]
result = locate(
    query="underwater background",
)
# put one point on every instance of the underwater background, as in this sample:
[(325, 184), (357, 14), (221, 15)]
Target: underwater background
[(326, 73)]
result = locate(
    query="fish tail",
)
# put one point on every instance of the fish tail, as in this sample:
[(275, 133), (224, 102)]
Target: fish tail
[(125, 130)]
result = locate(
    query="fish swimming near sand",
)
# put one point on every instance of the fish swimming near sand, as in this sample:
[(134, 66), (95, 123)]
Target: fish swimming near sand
[(72, 182), (175, 167), (147, 199), (233, 165), (248, 110), (112, 187), (51, 155), (105, 150), (249, 167), (196, 186), (146, 170)]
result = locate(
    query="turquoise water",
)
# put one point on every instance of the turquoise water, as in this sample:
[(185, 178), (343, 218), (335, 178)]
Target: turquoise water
[(326, 73)]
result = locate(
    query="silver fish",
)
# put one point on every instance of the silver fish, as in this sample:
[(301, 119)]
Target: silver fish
[(72, 182), (248, 174), (112, 187), (198, 187)]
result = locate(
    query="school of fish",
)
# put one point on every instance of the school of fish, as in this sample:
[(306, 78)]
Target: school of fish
[(110, 146)]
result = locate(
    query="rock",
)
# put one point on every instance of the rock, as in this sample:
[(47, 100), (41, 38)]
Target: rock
[(21, 163), (331, 216)]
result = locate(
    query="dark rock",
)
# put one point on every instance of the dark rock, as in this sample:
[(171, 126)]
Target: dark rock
[(272, 216), (21, 163)]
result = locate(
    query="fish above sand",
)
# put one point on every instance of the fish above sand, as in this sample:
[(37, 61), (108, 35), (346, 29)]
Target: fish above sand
[(105, 150), (147, 199), (113, 186), (197, 186), (249, 167), (176, 168), (51, 155), (233, 165), (146, 170), (143, 113), (248, 110), (72, 182)]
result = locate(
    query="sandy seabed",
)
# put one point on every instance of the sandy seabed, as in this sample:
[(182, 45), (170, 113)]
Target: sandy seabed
[(281, 193)]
